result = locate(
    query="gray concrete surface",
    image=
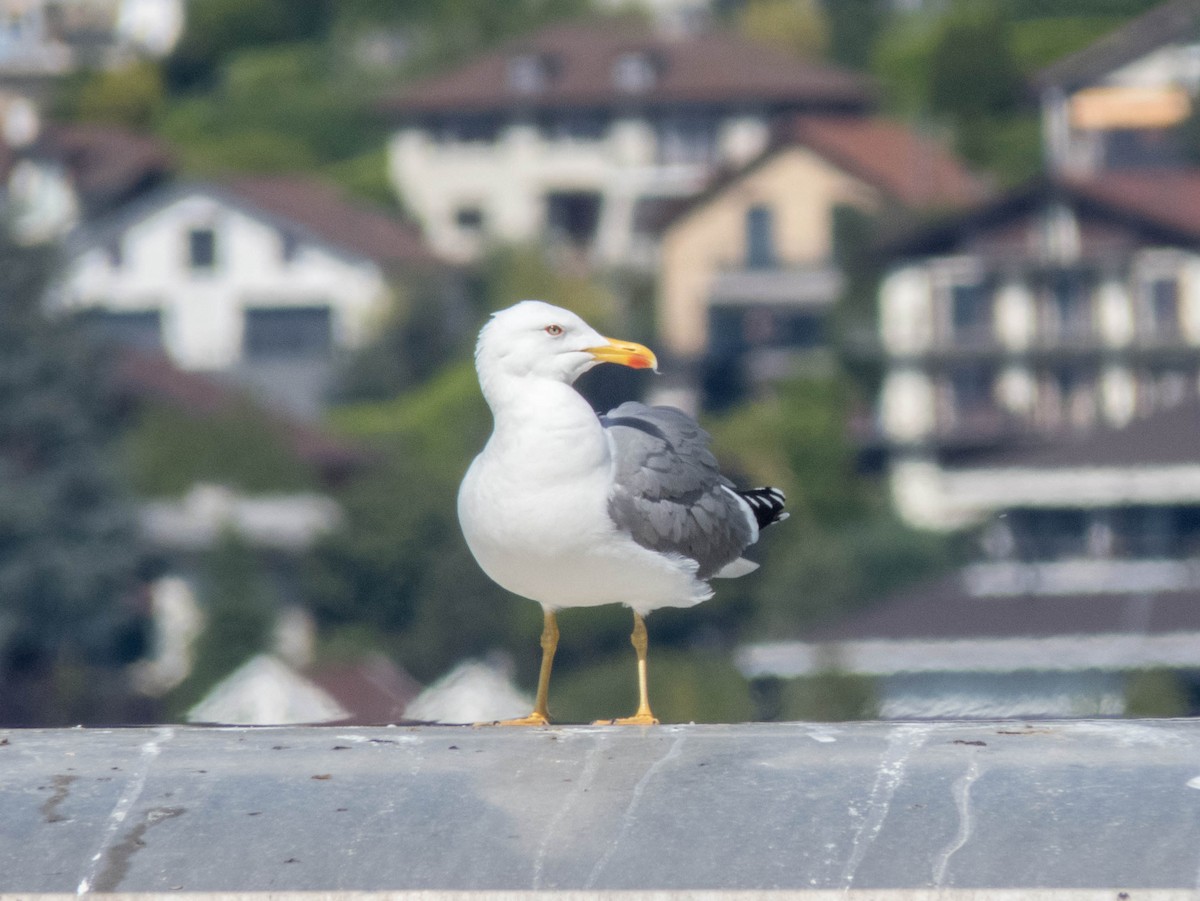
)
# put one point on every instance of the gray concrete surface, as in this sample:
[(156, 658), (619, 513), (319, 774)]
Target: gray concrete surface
[(1093, 805)]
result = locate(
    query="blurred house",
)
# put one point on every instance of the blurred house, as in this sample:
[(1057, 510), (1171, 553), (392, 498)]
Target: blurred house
[(1065, 305), (58, 176), (266, 691), (264, 280), (475, 691), (752, 263), (1117, 103), (46, 38), (1089, 574), (575, 135)]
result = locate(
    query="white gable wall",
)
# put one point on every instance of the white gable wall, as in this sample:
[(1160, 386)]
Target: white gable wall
[(203, 310)]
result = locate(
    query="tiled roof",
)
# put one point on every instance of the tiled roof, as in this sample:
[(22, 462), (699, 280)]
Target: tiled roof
[(577, 70), (321, 209), (106, 164), (1166, 197), (912, 170), (1163, 204), (915, 170), (374, 690), (1166, 23)]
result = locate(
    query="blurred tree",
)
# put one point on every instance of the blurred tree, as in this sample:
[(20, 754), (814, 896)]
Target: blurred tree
[(854, 26), (217, 28), (798, 26), (170, 450), (1157, 692), (400, 566), (240, 613), (973, 71), (70, 551), (132, 96)]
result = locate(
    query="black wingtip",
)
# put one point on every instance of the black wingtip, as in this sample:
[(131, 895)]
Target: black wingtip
[(766, 503)]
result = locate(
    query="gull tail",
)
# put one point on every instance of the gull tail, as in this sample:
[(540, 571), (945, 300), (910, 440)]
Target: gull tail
[(766, 504)]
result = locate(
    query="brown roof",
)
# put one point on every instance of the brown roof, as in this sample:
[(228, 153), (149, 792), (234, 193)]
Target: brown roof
[(578, 62), (1167, 23), (375, 691), (321, 209), (945, 609), (915, 170), (1167, 197), (1144, 206), (106, 164)]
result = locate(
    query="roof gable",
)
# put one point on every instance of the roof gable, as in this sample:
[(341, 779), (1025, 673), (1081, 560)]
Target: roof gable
[(1127, 208), (1165, 24), (308, 208), (614, 64), (908, 169)]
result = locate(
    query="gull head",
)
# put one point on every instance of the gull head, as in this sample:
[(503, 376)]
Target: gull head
[(534, 339)]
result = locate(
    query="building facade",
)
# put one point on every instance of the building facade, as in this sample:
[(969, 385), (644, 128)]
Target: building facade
[(752, 264), (574, 135), (266, 280)]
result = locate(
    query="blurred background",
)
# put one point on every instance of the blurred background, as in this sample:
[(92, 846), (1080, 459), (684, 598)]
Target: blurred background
[(930, 266)]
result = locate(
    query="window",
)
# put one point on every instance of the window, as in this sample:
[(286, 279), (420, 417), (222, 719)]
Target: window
[(289, 246), (1160, 319), (636, 72), (687, 139), (530, 73), (760, 239), (288, 332), (469, 218), (1067, 310), (573, 127), (971, 312), (572, 216), (202, 248), (140, 329)]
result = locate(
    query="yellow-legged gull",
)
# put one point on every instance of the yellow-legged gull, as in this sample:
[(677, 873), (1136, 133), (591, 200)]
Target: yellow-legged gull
[(571, 509)]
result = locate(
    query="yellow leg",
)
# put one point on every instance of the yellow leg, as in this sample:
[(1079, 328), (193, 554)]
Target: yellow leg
[(541, 712), (643, 717)]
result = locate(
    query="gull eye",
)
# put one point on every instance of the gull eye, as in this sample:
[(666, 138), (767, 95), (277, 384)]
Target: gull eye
[(554, 330)]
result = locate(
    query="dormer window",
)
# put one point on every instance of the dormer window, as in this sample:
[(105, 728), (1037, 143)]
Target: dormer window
[(636, 72), (530, 73)]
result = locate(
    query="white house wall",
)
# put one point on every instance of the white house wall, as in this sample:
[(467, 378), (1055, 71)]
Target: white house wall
[(508, 179), (202, 311)]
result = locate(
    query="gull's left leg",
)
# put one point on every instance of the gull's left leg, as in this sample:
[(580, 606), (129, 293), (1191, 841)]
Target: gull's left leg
[(541, 709), (643, 717)]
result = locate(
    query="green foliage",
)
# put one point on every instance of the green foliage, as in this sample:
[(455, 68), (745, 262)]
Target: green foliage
[(798, 27), (685, 686), (365, 177), (69, 546), (973, 71), (515, 273), (240, 612), (1156, 692), (132, 96), (216, 28), (828, 696), (400, 564), (854, 27), (170, 450), (274, 108), (1040, 41)]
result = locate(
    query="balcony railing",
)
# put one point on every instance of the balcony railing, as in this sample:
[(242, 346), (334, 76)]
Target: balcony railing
[(797, 286)]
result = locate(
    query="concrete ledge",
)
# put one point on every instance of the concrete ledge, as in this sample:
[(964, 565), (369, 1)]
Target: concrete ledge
[(940, 810)]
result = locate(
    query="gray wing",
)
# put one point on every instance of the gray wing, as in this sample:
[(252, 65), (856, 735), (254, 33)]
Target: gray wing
[(668, 492)]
